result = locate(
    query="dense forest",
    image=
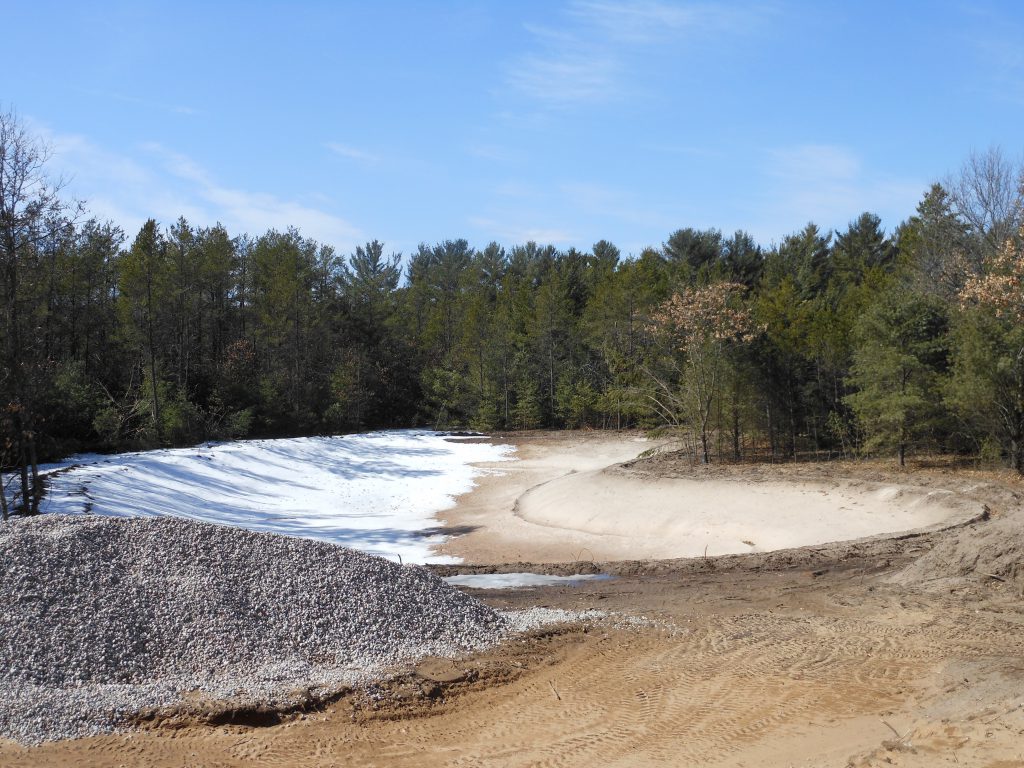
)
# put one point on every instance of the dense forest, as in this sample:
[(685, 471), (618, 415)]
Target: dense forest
[(824, 344)]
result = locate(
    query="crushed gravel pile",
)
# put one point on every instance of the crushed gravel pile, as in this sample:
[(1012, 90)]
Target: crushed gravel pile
[(104, 617)]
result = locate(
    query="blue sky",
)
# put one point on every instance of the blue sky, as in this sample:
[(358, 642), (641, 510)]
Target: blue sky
[(562, 122)]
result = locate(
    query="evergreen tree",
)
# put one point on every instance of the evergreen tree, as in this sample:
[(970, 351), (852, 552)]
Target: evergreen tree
[(900, 358), (742, 259), (935, 245), (143, 303), (691, 252), (862, 247)]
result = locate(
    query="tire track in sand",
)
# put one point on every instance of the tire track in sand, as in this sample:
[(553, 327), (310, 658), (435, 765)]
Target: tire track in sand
[(704, 695)]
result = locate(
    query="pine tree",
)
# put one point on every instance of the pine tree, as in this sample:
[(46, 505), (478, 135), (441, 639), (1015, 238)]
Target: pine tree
[(900, 357)]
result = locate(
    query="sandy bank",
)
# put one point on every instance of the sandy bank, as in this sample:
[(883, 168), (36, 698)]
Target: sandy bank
[(566, 500), (887, 651)]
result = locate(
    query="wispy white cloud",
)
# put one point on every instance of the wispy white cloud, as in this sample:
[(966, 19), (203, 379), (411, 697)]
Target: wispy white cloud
[(606, 203), (814, 163), (116, 186), (1002, 58), (517, 189), (540, 235), (491, 152), (547, 236), (567, 77), (555, 212), (647, 22), (155, 104), (248, 211), (151, 181), (351, 153), (990, 56), (830, 185), (588, 59), (687, 150), (514, 232)]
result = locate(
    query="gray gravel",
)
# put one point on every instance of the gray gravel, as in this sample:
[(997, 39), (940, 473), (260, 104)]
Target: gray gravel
[(105, 617)]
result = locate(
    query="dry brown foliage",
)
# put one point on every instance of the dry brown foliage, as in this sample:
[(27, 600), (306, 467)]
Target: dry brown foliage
[(706, 314), (1001, 287)]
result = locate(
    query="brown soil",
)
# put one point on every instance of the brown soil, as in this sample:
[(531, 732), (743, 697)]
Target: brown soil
[(887, 651)]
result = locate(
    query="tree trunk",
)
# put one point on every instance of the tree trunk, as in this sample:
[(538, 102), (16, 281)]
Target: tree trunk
[(33, 462), (4, 514), (23, 467), (551, 378), (792, 432), (735, 431), (504, 382), (152, 350)]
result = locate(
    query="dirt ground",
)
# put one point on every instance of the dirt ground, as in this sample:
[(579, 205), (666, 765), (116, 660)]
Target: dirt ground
[(885, 651)]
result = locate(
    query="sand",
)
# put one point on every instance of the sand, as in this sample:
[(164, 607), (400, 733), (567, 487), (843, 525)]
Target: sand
[(888, 650), (567, 499)]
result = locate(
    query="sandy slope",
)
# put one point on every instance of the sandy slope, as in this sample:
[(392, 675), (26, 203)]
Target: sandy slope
[(493, 533), (565, 500), (749, 665), (886, 651)]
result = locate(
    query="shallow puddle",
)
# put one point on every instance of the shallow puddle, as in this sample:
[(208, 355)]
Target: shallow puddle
[(520, 580)]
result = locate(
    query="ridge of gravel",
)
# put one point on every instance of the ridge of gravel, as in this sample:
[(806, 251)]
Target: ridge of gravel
[(107, 617)]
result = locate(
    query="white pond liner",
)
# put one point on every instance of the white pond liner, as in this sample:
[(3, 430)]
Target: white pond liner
[(378, 492)]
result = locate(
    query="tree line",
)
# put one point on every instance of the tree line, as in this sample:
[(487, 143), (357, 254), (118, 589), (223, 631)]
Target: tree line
[(824, 344)]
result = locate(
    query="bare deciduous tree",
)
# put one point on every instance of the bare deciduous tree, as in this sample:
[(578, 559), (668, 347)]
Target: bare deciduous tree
[(32, 215), (987, 195)]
